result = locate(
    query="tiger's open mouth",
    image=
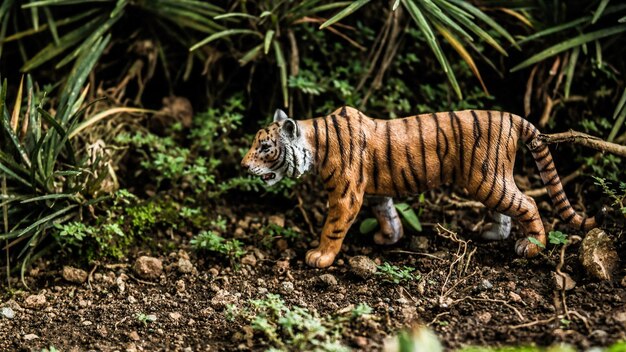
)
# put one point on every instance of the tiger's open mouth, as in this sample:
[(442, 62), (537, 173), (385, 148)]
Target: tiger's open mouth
[(268, 176)]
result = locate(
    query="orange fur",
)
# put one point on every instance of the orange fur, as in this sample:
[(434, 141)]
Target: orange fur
[(356, 156)]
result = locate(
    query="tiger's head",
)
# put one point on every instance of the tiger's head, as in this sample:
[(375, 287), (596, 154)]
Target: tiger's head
[(278, 150)]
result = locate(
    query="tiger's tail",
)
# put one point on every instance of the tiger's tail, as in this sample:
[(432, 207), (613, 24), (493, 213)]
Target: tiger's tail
[(550, 177)]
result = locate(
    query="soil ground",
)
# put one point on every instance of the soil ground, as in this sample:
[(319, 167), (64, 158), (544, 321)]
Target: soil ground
[(471, 292)]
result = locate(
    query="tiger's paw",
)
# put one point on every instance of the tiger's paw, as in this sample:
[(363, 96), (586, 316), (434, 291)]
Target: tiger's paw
[(387, 238), (525, 248), (318, 258)]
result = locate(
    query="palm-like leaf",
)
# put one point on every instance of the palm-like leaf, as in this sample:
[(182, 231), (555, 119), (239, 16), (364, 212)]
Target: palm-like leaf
[(455, 20)]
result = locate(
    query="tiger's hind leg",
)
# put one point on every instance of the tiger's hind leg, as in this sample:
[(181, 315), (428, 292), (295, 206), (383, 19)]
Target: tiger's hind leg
[(390, 225), (523, 209), (500, 229)]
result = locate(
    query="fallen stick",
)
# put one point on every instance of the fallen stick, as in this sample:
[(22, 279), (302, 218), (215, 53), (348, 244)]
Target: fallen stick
[(584, 139)]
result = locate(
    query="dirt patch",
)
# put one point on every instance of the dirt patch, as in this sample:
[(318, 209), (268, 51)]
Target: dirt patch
[(469, 293)]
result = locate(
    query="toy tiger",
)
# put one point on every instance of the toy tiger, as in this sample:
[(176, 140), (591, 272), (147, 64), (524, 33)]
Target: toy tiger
[(356, 156)]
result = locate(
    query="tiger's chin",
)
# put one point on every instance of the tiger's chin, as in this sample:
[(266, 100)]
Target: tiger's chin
[(270, 178)]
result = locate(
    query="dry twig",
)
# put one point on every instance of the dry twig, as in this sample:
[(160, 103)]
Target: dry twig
[(585, 140)]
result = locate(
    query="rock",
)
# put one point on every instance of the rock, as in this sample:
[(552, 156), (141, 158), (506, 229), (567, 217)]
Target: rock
[(77, 276), (30, 337), (222, 299), (151, 318), (175, 316), (515, 297), (180, 286), (597, 255), (558, 281), (484, 317), (282, 244), (278, 220), (239, 233), (362, 266), (286, 287), (148, 267), (185, 266), (248, 259), (360, 341), (35, 301), (531, 297), (485, 285), (418, 243), (328, 280), (8, 313), (133, 335)]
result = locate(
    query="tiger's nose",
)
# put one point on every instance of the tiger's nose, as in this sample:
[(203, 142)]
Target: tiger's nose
[(245, 166)]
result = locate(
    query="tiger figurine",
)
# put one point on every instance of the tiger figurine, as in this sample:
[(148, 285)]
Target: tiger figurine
[(356, 155)]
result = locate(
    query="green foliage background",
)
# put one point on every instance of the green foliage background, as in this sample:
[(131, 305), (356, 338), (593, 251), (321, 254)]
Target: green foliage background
[(98, 73)]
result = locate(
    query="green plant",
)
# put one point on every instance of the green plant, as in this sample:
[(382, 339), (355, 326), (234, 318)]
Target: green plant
[(557, 238), (455, 20), (145, 319), (296, 328), (618, 197), (272, 231), (393, 274), (46, 179), (73, 29), (573, 28), (211, 241), (406, 212), (268, 27)]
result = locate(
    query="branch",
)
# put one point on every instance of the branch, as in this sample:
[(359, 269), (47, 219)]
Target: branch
[(586, 140)]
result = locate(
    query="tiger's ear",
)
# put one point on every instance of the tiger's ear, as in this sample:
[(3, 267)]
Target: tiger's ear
[(290, 129), (280, 115)]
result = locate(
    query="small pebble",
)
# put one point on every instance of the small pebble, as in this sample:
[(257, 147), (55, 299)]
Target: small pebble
[(287, 287), (8, 313), (74, 275), (133, 335), (558, 281), (328, 280), (248, 259), (35, 301), (175, 316), (185, 266), (29, 337), (485, 285), (148, 267), (362, 266)]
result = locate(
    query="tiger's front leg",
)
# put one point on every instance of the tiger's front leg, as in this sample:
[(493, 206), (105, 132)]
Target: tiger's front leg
[(342, 210), (387, 215)]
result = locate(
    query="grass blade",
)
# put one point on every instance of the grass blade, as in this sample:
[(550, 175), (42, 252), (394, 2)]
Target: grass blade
[(250, 55), (280, 61), (571, 66), (431, 40), (104, 114), (52, 25), (620, 104), (488, 20), (223, 34), (568, 44), (456, 45), (599, 11), (268, 41), (344, 13), (15, 117), (67, 41)]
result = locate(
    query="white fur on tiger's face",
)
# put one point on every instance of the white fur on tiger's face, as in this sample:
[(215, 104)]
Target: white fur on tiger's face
[(278, 150)]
